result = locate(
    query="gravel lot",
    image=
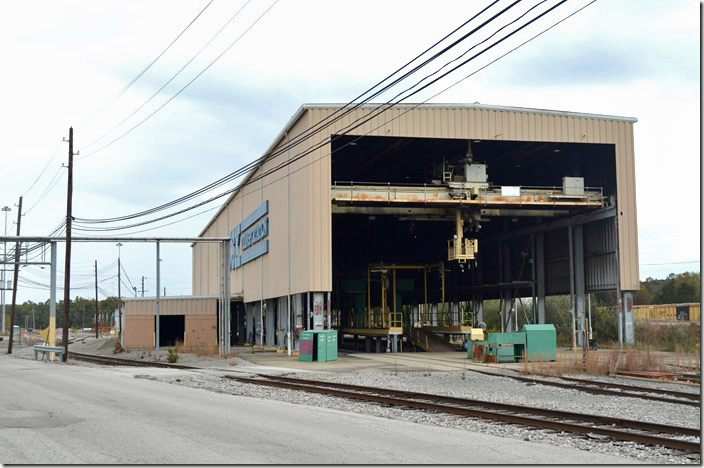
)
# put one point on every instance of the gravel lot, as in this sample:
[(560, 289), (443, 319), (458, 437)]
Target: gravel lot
[(460, 384)]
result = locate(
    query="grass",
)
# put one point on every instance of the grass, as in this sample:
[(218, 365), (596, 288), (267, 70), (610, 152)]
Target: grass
[(611, 361)]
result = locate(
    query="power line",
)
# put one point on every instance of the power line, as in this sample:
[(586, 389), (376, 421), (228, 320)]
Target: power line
[(186, 86), (280, 151), (170, 79), (140, 74)]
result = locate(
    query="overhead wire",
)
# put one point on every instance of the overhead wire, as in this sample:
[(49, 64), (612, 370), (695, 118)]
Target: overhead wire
[(184, 87), (140, 74), (328, 120), (379, 109), (170, 79)]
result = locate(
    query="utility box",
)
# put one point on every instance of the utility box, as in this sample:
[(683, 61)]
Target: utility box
[(541, 342), (318, 346), (506, 347), (320, 349), (306, 346), (332, 345), (573, 185), (475, 173)]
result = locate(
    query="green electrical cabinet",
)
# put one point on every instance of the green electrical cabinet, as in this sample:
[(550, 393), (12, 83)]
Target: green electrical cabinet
[(318, 345), (332, 345), (507, 347), (541, 342), (306, 346)]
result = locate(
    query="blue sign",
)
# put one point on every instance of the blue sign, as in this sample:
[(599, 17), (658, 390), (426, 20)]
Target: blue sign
[(248, 240)]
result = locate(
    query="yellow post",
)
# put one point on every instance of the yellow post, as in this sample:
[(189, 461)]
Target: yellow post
[(383, 300), (51, 339)]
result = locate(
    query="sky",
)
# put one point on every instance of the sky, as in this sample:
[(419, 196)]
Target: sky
[(69, 63)]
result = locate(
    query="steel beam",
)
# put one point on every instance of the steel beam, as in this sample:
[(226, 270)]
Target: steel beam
[(628, 317), (540, 275), (579, 283)]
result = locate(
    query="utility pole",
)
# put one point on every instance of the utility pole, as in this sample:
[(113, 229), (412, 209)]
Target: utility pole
[(83, 320), (14, 280), (96, 299), (67, 267), (142, 286), (119, 296), (4, 269)]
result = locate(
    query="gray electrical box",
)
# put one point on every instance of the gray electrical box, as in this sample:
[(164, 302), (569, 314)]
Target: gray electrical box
[(475, 173), (573, 185)]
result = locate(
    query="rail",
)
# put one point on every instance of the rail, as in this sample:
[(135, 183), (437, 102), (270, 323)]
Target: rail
[(513, 414), (581, 385)]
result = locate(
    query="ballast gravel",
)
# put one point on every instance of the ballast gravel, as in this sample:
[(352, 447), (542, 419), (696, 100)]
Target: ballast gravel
[(467, 384)]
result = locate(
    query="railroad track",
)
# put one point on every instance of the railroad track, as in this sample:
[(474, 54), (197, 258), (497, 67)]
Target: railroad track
[(594, 426), (113, 361), (583, 385)]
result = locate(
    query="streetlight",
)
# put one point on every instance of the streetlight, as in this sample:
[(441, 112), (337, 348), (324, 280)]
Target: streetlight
[(6, 209)]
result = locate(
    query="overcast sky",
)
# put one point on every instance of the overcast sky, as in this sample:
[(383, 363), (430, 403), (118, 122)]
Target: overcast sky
[(65, 62)]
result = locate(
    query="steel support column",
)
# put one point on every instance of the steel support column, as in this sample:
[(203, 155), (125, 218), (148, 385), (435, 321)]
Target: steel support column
[(629, 335), (540, 275), (570, 238), (51, 339), (158, 287), (579, 283)]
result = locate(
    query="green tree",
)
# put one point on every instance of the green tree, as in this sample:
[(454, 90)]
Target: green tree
[(680, 288)]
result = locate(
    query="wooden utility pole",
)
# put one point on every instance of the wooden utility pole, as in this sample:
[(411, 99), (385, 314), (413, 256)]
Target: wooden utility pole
[(142, 286), (14, 281), (96, 299), (67, 267)]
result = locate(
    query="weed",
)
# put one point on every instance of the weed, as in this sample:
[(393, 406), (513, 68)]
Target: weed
[(173, 356)]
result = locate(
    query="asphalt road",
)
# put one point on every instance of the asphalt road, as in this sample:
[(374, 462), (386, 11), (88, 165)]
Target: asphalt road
[(68, 414)]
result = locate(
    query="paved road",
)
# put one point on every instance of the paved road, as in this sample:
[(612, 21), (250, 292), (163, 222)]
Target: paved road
[(67, 414)]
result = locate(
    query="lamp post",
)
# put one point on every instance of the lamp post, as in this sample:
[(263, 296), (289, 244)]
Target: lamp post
[(6, 209)]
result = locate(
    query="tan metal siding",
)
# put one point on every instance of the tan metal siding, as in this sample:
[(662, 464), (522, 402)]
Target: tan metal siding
[(175, 306), (310, 223), (201, 334), (139, 331)]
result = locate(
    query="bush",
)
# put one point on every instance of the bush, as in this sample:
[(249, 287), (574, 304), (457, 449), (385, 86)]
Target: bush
[(680, 338), (173, 355)]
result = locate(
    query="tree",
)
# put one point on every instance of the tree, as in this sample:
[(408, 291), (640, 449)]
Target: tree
[(680, 288)]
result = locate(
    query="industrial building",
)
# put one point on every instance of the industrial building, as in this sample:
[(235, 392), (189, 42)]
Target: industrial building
[(394, 227)]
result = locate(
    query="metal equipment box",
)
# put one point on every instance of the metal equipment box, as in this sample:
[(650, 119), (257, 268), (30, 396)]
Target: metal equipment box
[(306, 346), (332, 345), (506, 347), (573, 185), (475, 173), (541, 342), (320, 350)]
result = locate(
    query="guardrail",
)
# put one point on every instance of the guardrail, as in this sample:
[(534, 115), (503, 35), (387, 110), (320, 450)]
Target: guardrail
[(48, 349)]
